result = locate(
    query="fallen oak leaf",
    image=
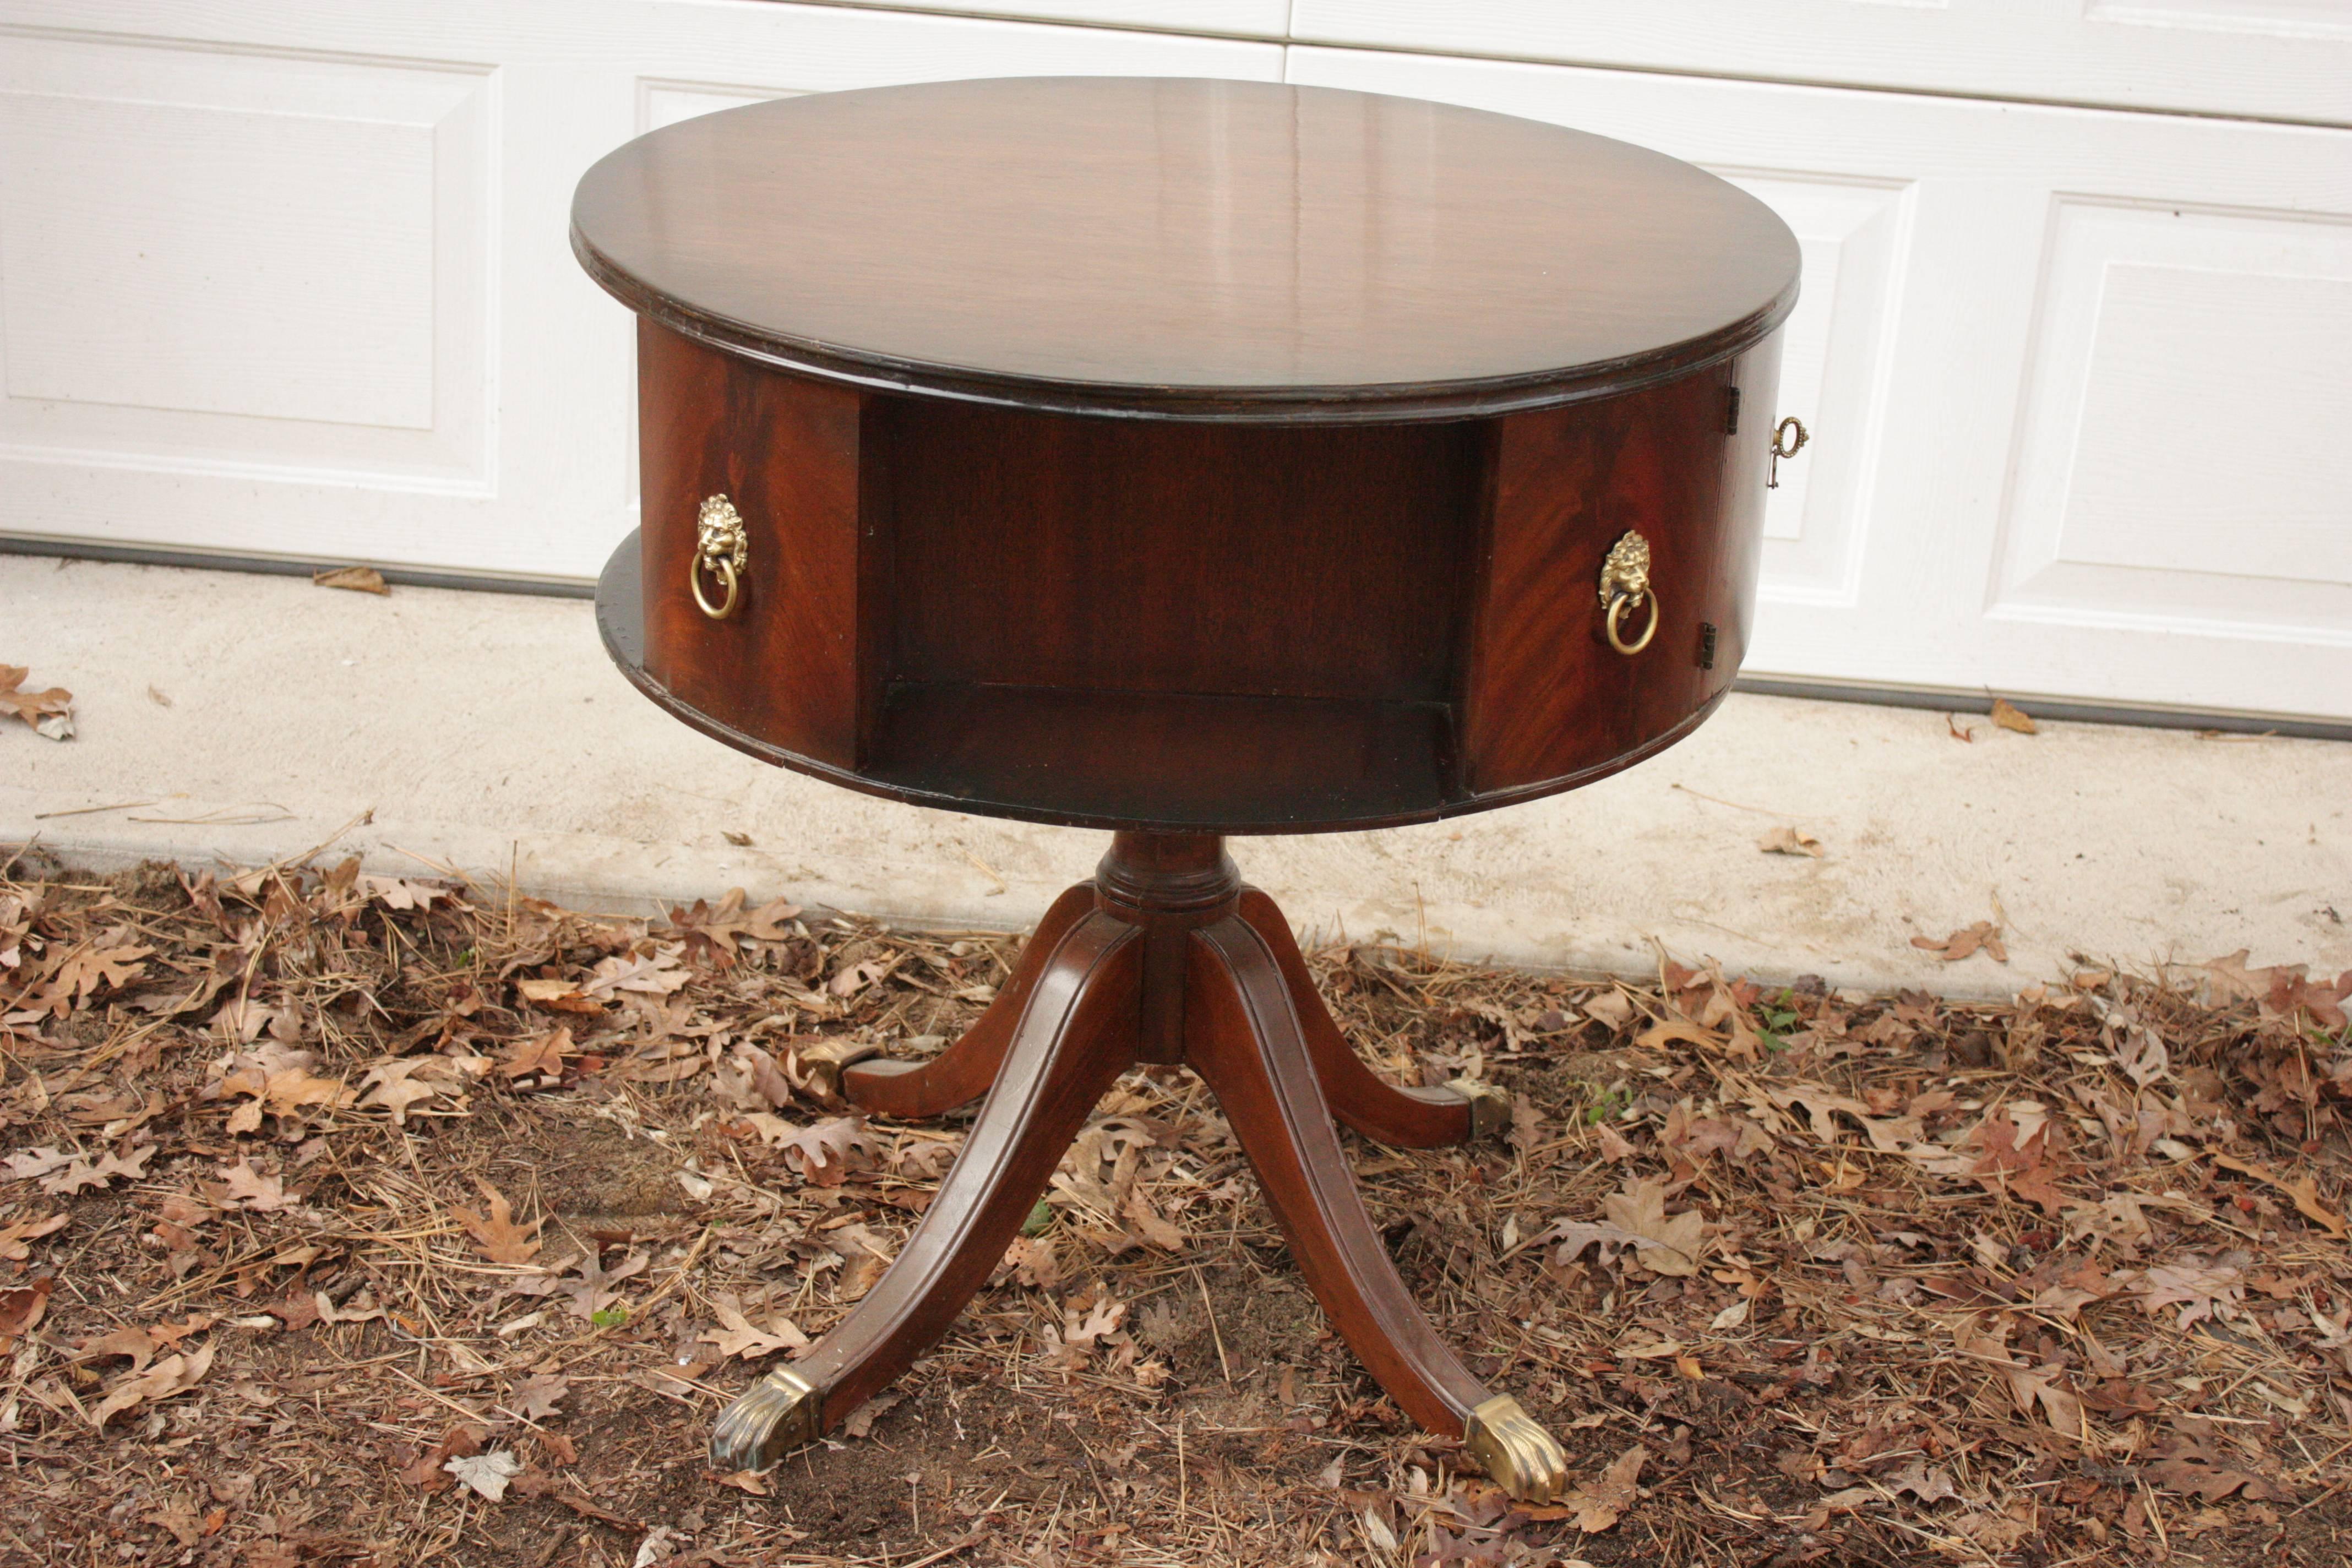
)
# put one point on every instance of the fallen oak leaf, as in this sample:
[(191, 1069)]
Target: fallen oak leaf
[(2010, 717), (536, 1397), (1928, 1486), (427, 1472), (657, 975), (2198, 1288), (81, 973), (486, 1473), (1983, 936), (2305, 1191), (21, 1308), (1149, 1224), (2234, 979), (543, 1056), (403, 893), (298, 1087), (35, 1163), (592, 1292), (396, 1086), (1787, 840), (1659, 1035), (822, 1152), (32, 707), (357, 579), (861, 1420), (499, 1237), (1662, 1244), (1575, 1236), (172, 1374), (13, 1239), (741, 1338), (249, 1189), (1600, 1504), (127, 1341), (81, 1174), (855, 977), (2210, 1479)]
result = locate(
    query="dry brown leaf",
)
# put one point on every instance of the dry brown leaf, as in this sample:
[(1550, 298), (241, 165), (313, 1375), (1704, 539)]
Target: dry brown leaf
[(2012, 717), (656, 975), (1657, 1037), (487, 1474), (81, 973), (402, 893), (21, 1308), (172, 1374), (2304, 1190), (1603, 1501), (1787, 840), (1148, 1223), (135, 1343), (2198, 1288), (81, 1174), (396, 1086), (1663, 1245), (499, 1237), (2233, 978), (536, 1397), (543, 1056), (13, 1239), (739, 1336), (249, 1189), (358, 579), (860, 1423), (36, 1163), (35, 708), (823, 1153), (1983, 935), (296, 1088)]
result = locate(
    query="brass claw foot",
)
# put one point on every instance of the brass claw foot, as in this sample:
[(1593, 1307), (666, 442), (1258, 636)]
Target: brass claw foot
[(1490, 1108), (826, 1061), (1518, 1454), (772, 1417)]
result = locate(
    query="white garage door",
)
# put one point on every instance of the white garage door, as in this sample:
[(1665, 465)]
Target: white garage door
[(291, 282)]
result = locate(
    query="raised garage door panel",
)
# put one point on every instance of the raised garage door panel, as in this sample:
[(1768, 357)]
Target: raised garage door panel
[(293, 280), (2272, 59), (2075, 380)]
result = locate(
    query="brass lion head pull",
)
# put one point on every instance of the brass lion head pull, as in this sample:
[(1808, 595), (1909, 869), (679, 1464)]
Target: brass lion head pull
[(1624, 584), (721, 547)]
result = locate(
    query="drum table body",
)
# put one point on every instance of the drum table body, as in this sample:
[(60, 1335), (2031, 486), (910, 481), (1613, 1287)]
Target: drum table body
[(1183, 458)]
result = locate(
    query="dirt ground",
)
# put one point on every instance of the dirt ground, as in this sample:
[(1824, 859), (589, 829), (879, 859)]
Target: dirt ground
[(351, 1220)]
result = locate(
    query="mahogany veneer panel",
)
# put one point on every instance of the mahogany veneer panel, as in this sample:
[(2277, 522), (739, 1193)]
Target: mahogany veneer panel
[(785, 666), (1123, 555), (1544, 696)]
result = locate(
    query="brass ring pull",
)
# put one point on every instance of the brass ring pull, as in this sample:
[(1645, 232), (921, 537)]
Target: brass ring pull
[(721, 549), (726, 573), (1624, 584), (1617, 608), (1783, 446)]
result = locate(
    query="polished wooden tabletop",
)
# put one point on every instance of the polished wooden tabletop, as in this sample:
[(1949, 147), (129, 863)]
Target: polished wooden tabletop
[(1185, 248)]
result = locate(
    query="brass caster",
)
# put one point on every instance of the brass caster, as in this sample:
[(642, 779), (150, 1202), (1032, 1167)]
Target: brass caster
[(825, 1061), (772, 1417), (1490, 1108), (1518, 1454)]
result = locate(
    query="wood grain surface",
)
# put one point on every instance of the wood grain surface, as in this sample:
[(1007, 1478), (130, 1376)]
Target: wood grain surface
[(1185, 248)]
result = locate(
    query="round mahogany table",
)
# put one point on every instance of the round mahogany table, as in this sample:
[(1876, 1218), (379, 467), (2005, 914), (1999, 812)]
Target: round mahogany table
[(1183, 458)]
